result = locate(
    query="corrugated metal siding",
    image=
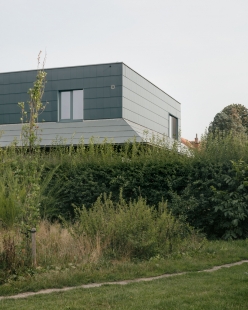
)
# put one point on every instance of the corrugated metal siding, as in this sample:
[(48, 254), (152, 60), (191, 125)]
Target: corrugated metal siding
[(100, 101), (147, 105), (117, 130)]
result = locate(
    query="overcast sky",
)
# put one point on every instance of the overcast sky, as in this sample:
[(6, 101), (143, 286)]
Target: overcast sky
[(194, 50)]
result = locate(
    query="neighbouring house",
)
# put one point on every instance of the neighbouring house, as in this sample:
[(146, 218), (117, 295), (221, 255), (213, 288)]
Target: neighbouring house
[(191, 144), (104, 101)]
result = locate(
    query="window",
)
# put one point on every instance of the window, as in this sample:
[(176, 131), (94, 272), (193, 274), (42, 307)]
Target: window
[(173, 127), (71, 105)]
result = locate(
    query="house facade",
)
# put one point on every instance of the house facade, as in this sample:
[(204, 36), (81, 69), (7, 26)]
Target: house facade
[(103, 101)]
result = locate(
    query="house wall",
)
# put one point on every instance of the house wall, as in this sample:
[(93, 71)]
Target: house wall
[(100, 101), (134, 105), (147, 105), (52, 133)]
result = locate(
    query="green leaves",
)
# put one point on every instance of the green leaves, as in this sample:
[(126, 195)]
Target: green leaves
[(130, 229), (231, 202), (35, 107), (233, 118), (211, 195)]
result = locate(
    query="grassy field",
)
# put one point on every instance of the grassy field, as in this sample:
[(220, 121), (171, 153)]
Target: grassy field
[(223, 289), (212, 253)]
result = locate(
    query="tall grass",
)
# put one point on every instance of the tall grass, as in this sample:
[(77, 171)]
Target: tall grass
[(130, 229), (8, 193), (222, 147), (108, 230)]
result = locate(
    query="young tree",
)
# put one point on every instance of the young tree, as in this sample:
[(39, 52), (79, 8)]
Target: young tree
[(35, 107)]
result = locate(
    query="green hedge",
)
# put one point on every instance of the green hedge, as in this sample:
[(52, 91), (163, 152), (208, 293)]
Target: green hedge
[(188, 188), (202, 187)]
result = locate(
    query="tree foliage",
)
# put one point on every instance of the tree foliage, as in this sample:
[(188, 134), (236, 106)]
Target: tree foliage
[(233, 118), (230, 200)]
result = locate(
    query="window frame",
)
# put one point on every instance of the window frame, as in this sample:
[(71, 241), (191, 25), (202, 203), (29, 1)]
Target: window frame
[(71, 119), (170, 126)]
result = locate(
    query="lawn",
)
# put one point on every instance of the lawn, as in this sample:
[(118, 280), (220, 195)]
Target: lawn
[(223, 289), (212, 253)]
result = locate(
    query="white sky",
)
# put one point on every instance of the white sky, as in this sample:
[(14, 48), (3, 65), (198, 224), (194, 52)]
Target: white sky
[(195, 50)]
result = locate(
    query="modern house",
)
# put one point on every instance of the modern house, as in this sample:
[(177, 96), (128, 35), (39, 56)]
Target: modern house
[(104, 101)]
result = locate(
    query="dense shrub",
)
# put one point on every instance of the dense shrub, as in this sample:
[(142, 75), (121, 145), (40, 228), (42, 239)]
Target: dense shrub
[(131, 229), (195, 184)]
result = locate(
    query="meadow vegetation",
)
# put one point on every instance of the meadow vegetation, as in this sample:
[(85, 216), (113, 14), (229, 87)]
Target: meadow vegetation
[(119, 203), (223, 289)]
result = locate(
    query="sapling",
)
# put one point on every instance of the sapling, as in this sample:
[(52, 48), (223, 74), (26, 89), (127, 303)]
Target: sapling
[(35, 105)]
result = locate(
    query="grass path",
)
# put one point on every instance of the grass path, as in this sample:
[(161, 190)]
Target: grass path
[(92, 285)]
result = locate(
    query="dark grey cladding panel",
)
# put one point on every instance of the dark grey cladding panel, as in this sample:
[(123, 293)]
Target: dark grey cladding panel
[(62, 85), (88, 82), (14, 118), (17, 78), (105, 70), (93, 114), (96, 103), (51, 106), (103, 81), (63, 74), (50, 96), (102, 92), (4, 78), (46, 116), (78, 83), (12, 98), (54, 115), (31, 76), (89, 71), (96, 80), (2, 101), (10, 108), (6, 119)]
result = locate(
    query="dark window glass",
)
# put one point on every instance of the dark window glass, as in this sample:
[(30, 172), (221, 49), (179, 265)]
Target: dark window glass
[(173, 127)]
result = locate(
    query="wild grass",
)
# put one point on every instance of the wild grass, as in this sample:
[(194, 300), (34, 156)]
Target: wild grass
[(109, 233), (64, 260), (222, 147), (131, 229), (222, 289), (122, 231)]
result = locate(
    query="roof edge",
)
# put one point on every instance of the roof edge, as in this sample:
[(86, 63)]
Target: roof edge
[(108, 63)]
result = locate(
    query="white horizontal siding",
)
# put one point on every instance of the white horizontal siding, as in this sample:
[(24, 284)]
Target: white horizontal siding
[(116, 130), (149, 124)]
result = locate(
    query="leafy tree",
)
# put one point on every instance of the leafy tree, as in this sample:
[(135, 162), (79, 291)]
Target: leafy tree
[(232, 119)]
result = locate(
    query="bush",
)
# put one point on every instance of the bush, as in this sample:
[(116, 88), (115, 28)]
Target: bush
[(67, 175), (134, 229), (230, 201)]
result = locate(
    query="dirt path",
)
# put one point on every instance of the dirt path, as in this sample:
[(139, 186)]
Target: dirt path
[(54, 290)]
